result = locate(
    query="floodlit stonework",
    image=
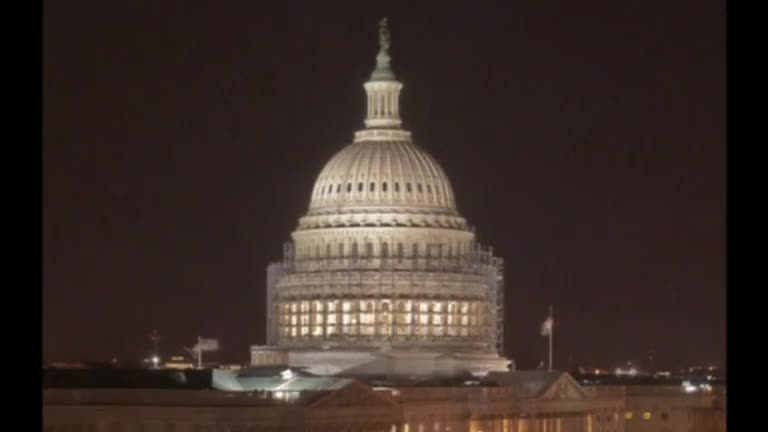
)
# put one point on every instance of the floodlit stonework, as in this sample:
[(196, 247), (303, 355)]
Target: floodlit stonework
[(383, 274)]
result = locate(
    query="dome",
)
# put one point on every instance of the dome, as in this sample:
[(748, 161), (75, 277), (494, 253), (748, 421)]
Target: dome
[(383, 259), (383, 174)]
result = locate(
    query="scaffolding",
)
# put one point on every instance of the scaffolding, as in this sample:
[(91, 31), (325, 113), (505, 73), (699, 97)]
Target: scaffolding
[(474, 280)]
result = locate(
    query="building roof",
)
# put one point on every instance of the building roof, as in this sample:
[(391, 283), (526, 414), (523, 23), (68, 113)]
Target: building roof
[(111, 378), (537, 383), (293, 382)]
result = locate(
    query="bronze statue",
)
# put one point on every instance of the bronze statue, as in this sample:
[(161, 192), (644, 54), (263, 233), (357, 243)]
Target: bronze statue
[(384, 39)]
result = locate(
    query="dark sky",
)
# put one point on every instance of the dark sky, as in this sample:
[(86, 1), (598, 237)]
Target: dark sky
[(584, 140)]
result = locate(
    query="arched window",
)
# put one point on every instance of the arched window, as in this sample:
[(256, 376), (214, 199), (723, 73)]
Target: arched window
[(418, 187), (415, 250), (360, 187), (400, 250), (385, 250), (338, 188), (341, 250), (369, 249), (397, 187), (328, 250), (407, 187), (384, 187), (429, 189), (354, 250), (317, 251), (349, 187), (372, 187)]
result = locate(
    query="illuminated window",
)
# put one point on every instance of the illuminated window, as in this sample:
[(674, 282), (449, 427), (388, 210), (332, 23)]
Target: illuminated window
[(332, 319), (317, 330), (628, 415), (332, 305), (423, 307), (346, 306), (384, 187), (647, 415)]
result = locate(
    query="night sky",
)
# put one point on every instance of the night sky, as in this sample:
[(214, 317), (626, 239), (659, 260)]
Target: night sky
[(584, 140)]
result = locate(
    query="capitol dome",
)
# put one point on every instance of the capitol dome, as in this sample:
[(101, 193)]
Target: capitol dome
[(393, 174), (382, 260)]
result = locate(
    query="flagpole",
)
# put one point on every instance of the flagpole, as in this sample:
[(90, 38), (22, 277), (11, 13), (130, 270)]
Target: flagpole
[(199, 353), (551, 331)]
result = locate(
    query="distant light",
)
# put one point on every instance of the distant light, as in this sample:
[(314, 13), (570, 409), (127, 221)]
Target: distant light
[(647, 415), (628, 415), (632, 371), (155, 360), (705, 387), (286, 374), (688, 387)]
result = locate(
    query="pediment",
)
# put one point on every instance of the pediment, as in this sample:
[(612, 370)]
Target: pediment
[(564, 387)]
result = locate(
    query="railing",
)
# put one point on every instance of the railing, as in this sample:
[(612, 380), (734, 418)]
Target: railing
[(475, 265)]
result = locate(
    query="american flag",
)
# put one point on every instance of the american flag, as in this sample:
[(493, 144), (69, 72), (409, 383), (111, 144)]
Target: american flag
[(546, 326)]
